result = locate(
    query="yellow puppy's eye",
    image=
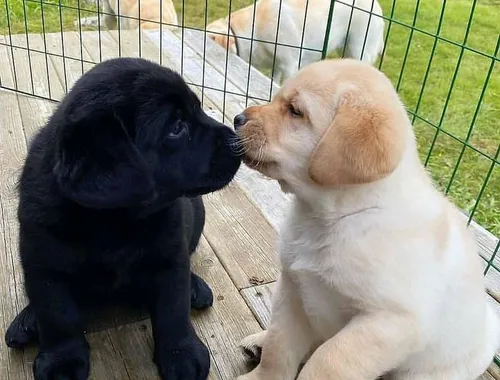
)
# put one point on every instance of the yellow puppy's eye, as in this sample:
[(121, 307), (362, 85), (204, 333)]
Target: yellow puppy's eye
[(294, 111)]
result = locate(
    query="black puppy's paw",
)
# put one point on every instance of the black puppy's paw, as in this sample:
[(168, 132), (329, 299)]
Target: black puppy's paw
[(189, 360), (67, 361), (22, 330), (201, 294)]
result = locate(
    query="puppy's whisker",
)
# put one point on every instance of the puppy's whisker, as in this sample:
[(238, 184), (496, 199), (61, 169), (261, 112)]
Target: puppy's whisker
[(255, 158), (241, 141), (244, 140), (258, 157), (238, 149), (240, 146), (260, 152)]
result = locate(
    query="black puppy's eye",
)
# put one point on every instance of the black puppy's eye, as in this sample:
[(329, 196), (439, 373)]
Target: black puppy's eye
[(294, 111), (177, 131)]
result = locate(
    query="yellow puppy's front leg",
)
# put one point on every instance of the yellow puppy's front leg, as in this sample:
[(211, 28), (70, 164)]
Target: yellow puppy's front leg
[(368, 347), (289, 338)]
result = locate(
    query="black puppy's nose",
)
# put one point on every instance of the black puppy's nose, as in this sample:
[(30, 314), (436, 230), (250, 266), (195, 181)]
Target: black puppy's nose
[(239, 121)]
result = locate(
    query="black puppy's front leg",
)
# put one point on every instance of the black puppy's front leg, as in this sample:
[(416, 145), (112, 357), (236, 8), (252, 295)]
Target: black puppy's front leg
[(179, 353), (64, 352)]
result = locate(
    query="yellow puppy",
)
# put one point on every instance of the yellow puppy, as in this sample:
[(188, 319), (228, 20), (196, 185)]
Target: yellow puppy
[(379, 272)]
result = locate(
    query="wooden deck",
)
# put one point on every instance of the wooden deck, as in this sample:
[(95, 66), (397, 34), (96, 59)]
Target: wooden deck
[(236, 254)]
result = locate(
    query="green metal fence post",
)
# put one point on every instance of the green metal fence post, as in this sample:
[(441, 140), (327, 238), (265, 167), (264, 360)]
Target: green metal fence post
[(328, 28)]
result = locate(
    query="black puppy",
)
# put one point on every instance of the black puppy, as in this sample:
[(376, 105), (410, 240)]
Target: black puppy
[(110, 208)]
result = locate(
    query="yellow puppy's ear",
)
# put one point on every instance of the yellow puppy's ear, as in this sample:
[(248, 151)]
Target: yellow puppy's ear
[(364, 143)]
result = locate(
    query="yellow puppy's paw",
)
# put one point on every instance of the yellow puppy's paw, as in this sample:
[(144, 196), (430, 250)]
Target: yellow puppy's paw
[(244, 377), (254, 375), (251, 346)]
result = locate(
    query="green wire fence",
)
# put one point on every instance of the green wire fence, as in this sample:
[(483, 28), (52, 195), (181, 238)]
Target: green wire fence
[(442, 57)]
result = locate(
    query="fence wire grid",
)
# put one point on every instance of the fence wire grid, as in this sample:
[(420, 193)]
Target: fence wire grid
[(442, 57)]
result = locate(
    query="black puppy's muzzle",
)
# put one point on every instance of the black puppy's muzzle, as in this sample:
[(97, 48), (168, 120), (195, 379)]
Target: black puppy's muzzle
[(239, 121), (226, 140)]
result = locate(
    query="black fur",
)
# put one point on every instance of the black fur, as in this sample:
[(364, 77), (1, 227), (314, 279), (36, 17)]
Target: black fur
[(110, 209)]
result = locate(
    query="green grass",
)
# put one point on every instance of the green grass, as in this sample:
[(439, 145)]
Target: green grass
[(462, 101)]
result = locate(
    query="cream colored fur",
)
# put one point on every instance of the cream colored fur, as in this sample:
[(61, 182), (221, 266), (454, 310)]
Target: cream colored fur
[(380, 275), (263, 28), (134, 14)]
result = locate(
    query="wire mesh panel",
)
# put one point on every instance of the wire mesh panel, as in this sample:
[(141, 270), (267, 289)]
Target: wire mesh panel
[(442, 57)]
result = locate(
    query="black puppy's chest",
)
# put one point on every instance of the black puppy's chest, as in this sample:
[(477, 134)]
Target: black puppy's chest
[(121, 274), (105, 273), (120, 259)]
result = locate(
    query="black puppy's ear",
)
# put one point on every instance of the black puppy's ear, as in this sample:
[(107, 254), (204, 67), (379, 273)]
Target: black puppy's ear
[(98, 166)]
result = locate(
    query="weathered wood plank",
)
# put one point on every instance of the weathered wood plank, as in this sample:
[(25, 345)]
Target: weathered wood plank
[(106, 361), (239, 72), (11, 361), (6, 75), (44, 67), (486, 376), (35, 113), (76, 45), (494, 371), (134, 343), (12, 152), (34, 72), (487, 243), (135, 43), (228, 321), (17, 364), (241, 237), (76, 58), (266, 193), (259, 299), (67, 45)]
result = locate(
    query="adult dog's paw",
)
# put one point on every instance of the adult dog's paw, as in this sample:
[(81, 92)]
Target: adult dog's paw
[(188, 360), (201, 294), (22, 330), (66, 361)]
